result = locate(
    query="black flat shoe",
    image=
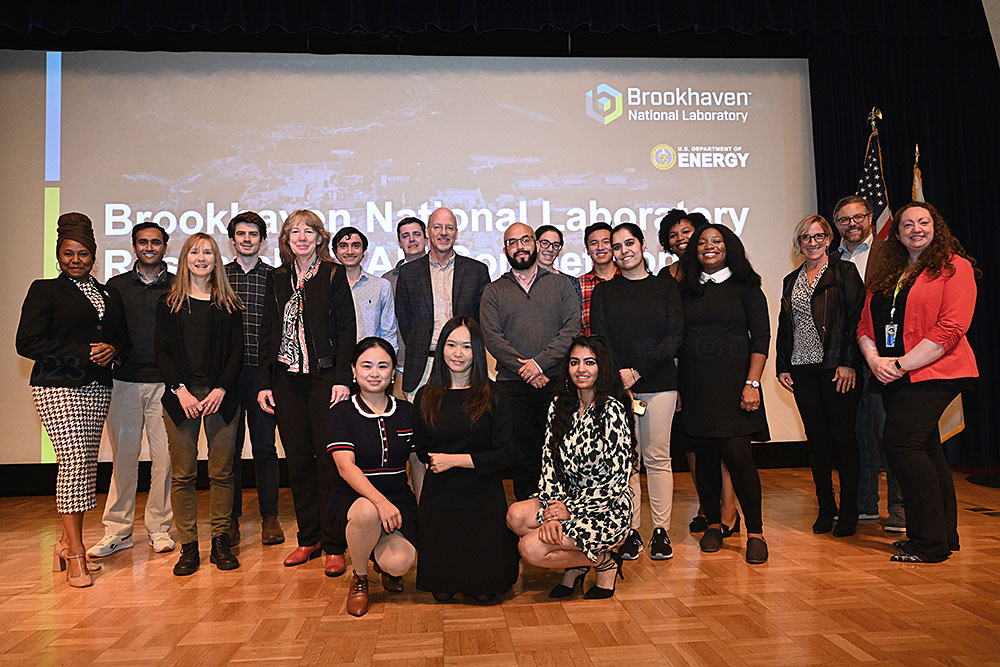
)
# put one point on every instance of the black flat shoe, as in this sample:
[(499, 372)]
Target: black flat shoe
[(846, 526), (823, 523), (699, 524), (563, 591), (711, 541), (612, 561), (443, 597), (484, 598), (756, 551), (727, 532)]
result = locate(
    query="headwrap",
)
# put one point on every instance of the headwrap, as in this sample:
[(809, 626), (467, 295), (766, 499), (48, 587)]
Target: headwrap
[(76, 227)]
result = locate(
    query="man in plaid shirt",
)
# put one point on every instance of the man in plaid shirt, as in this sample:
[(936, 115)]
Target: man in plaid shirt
[(597, 240), (248, 274)]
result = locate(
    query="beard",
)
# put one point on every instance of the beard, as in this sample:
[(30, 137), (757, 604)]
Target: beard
[(523, 264)]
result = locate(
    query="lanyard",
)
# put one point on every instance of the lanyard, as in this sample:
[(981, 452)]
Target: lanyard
[(895, 294)]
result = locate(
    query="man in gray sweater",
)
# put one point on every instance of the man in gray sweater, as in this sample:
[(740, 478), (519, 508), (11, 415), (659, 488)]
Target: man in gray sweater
[(529, 316)]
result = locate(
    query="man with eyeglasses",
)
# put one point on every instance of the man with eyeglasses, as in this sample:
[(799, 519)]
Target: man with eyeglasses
[(861, 246), (529, 317), (430, 291), (597, 240)]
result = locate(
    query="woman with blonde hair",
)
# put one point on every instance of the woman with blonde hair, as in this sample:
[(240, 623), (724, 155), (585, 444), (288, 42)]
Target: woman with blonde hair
[(818, 361), (199, 351), (306, 341)]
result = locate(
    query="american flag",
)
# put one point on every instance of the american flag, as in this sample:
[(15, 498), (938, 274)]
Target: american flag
[(871, 186)]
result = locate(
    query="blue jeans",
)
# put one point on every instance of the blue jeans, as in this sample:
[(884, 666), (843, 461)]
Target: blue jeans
[(265, 455)]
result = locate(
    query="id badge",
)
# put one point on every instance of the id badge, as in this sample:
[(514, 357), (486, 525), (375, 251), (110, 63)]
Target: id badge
[(890, 335)]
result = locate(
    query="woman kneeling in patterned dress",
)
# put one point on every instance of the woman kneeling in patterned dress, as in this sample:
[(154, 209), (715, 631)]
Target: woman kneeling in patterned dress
[(583, 509)]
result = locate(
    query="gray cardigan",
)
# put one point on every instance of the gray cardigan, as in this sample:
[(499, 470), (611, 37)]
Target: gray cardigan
[(538, 324)]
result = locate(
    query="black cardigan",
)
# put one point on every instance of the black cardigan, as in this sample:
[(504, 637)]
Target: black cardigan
[(836, 310), (329, 319), (225, 340), (58, 323)]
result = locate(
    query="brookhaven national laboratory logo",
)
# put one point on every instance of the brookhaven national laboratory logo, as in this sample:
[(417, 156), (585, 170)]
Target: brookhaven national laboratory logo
[(606, 105)]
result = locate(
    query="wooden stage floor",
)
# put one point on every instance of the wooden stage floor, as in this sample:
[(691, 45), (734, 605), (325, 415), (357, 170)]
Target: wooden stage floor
[(819, 600)]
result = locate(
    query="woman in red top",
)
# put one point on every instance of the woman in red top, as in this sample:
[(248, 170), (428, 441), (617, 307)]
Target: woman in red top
[(920, 303)]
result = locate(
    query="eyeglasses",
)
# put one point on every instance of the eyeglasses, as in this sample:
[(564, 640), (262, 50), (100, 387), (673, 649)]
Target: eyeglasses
[(812, 238), (524, 240), (546, 244), (859, 218)]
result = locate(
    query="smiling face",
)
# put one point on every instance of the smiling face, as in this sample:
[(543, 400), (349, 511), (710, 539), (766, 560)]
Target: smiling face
[(916, 230), (74, 259), (627, 250), (679, 236), (599, 247), (350, 250), (149, 247), (583, 368), (711, 250), (412, 240), (373, 370), (246, 239), (813, 242), (549, 247), (458, 351), (442, 230), (201, 259), (520, 247), (854, 222), (303, 240)]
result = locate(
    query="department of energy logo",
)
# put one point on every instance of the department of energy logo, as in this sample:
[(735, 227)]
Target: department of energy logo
[(663, 156), (606, 105)]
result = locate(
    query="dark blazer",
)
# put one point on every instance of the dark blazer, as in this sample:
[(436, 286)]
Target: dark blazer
[(415, 307), (225, 341), (331, 329), (58, 324), (836, 310)]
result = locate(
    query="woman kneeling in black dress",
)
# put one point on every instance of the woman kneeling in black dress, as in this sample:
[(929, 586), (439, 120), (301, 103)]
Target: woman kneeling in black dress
[(464, 435), (583, 508), (373, 503)]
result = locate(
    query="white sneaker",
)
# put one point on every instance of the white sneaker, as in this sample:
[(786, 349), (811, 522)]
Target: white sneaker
[(108, 545), (161, 542)]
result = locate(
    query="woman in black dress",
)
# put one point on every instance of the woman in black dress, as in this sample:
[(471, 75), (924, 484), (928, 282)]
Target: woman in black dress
[(73, 327), (726, 335), (372, 503), (464, 435)]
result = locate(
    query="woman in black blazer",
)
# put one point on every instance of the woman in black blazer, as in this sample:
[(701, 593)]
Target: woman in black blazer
[(817, 360), (306, 341), (73, 328), (199, 351)]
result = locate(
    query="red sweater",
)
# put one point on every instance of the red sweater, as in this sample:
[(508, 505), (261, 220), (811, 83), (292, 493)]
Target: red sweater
[(939, 310)]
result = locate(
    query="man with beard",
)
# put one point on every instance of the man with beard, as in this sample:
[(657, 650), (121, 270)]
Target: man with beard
[(135, 404), (529, 317), (860, 245), (248, 274)]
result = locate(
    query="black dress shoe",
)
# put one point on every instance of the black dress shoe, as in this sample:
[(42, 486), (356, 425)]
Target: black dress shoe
[(823, 523), (563, 591), (443, 597), (189, 561), (711, 541), (221, 555), (846, 526)]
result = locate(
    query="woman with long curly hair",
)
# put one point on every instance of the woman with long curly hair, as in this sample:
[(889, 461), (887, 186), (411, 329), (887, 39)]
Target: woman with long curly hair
[(584, 507), (921, 299)]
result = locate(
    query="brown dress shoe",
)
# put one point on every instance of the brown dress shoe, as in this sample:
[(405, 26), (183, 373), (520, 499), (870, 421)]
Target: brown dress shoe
[(357, 598), (270, 531), (335, 565), (303, 554), (389, 582)]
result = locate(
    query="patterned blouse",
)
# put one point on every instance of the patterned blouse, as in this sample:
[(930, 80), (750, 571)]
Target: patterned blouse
[(807, 346)]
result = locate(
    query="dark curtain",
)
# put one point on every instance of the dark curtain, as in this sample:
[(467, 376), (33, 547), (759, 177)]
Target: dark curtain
[(929, 65)]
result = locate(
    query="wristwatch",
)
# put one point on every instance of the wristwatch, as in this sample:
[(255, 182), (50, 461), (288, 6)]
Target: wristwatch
[(898, 367), (176, 387), (754, 383)]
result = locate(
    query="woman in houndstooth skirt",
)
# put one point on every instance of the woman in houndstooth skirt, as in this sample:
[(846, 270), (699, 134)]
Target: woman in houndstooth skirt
[(73, 327)]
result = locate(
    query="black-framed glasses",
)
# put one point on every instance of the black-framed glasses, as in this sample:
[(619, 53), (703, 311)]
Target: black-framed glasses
[(813, 238), (859, 218), (545, 244), (524, 240)]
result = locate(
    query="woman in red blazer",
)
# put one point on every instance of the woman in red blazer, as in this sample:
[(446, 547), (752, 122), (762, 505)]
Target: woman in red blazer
[(920, 303)]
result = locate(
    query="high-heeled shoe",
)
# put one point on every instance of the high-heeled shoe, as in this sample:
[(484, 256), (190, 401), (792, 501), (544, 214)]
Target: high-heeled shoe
[(59, 560), (563, 591), (727, 532), (612, 561)]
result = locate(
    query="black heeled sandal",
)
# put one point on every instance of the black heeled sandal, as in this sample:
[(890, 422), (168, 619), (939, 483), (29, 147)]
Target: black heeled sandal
[(727, 531), (563, 591), (612, 561)]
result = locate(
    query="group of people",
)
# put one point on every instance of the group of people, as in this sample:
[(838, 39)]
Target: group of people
[(596, 376)]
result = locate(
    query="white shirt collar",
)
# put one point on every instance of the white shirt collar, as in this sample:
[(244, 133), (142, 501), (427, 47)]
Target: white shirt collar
[(363, 410), (864, 246), (718, 277)]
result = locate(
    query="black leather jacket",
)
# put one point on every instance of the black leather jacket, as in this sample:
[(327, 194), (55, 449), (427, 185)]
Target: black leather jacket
[(836, 309)]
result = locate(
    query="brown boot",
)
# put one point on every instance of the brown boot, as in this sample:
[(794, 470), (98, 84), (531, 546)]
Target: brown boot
[(234, 531), (270, 531), (357, 599)]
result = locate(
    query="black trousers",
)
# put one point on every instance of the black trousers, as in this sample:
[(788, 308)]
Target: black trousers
[(913, 447), (529, 408), (829, 418), (302, 409), (735, 451)]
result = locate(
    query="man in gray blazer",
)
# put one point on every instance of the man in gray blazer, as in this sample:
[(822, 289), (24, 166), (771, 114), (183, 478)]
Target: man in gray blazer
[(432, 290)]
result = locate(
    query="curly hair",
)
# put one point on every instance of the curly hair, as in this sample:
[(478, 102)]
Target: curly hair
[(935, 259), (736, 260), (567, 400)]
